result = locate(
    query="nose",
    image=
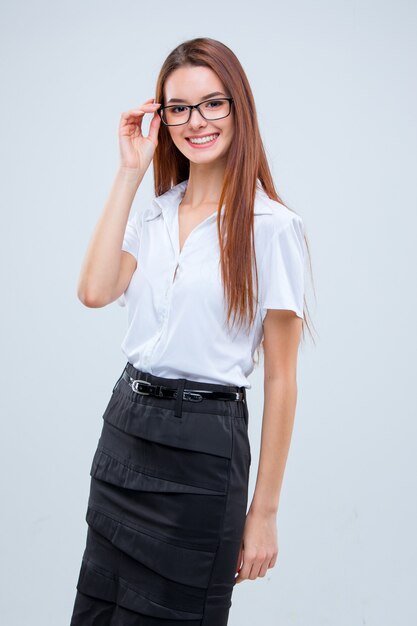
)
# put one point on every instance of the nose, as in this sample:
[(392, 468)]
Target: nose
[(196, 118)]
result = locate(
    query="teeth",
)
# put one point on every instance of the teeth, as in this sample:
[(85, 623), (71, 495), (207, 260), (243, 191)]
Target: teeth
[(204, 140)]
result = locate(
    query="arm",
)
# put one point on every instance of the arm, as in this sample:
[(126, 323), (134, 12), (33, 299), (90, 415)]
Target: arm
[(282, 332), (107, 269)]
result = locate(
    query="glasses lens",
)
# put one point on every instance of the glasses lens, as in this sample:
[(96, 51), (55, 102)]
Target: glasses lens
[(176, 115), (214, 109), (210, 109)]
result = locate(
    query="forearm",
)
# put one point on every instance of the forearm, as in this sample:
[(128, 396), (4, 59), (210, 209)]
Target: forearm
[(100, 268), (277, 426)]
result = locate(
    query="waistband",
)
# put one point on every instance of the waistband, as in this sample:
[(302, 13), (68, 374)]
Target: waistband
[(236, 408), (175, 382)]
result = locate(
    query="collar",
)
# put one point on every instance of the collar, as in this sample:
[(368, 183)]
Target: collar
[(169, 200)]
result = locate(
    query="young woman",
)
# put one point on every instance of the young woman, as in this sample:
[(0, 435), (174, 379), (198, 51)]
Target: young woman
[(213, 266)]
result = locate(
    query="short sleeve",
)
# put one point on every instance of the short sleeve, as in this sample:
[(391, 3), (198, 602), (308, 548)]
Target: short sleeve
[(281, 281), (131, 241)]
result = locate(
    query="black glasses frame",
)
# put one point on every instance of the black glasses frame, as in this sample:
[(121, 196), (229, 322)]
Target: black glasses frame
[(190, 108)]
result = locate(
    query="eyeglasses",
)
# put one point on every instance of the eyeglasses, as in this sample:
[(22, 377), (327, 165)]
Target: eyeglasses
[(181, 114)]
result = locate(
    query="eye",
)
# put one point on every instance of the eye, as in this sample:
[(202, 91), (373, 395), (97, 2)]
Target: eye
[(175, 109), (215, 103)]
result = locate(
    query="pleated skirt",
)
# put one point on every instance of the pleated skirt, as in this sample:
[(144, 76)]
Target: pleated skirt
[(166, 509)]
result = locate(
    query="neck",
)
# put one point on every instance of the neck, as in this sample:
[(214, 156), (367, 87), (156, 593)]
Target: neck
[(204, 185)]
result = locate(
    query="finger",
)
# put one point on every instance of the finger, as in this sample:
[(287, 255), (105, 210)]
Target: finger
[(145, 108), (254, 571), (239, 559), (264, 568), (152, 105), (273, 560), (244, 571), (154, 127)]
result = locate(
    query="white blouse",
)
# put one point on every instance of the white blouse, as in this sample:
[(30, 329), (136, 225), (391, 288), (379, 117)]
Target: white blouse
[(177, 324)]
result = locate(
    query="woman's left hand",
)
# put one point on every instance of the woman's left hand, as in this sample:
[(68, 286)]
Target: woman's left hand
[(259, 549)]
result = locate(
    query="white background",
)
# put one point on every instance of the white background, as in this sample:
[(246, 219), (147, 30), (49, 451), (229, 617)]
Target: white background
[(335, 89)]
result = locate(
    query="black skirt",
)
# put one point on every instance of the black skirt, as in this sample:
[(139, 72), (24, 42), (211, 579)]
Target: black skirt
[(166, 509)]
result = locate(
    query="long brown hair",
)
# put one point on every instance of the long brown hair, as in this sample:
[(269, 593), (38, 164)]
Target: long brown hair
[(246, 162)]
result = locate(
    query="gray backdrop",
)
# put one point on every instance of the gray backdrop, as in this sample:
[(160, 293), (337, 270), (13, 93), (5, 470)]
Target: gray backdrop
[(334, 83)]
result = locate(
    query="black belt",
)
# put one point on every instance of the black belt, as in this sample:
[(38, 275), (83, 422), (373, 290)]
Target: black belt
[(145, 388)]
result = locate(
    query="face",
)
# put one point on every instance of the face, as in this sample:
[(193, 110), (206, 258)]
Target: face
[(192, 85)]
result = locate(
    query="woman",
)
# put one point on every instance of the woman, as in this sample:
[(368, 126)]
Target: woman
[(167, 523)]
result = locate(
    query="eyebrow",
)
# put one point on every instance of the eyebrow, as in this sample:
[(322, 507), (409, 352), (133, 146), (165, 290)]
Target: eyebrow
[(209, 95)]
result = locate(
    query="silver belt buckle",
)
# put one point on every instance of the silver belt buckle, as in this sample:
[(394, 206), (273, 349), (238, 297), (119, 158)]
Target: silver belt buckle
[(192, 396), (135, 383)]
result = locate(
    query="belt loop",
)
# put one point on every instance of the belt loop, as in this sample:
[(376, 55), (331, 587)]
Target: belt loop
[(178, 400), (245, 406)]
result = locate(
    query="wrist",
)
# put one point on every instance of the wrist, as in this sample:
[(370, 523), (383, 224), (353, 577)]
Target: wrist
[(263, 509), (130, 175)]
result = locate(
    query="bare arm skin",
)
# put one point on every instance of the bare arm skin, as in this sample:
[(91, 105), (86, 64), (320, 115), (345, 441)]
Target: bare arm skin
[(282, 332), (107, 269)]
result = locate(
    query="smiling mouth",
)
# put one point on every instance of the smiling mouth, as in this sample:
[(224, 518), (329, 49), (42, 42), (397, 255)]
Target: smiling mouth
[(203, 140)]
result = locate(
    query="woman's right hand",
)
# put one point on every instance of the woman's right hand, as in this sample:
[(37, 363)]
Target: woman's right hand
[(136, 151)]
